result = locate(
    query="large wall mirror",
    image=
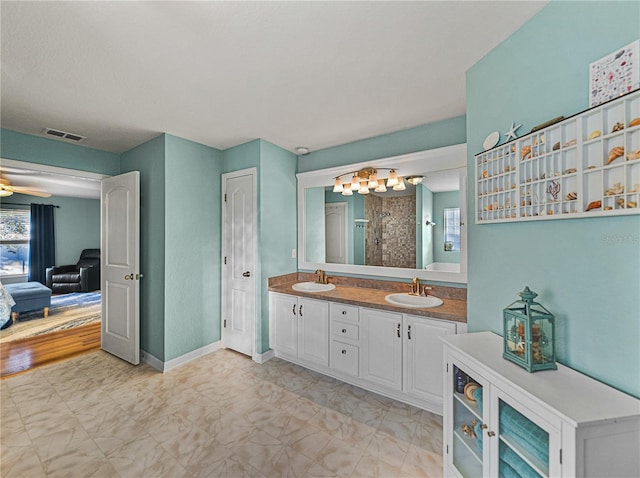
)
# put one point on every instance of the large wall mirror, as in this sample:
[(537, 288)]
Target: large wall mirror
[(416, 232)]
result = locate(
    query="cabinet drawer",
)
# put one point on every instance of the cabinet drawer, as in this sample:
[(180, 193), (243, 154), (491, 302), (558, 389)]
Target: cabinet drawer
[(344, 357), (345, 330), (343, 312)]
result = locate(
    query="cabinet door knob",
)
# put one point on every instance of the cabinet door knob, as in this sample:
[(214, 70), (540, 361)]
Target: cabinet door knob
[(484, 426), (491, 433), (409, 332), (344, 312), (344, 331), (344, 352)]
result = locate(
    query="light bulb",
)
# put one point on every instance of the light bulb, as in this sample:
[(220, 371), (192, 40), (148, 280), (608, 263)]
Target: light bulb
[(393, 179), (373, 180), (381, 187), (363, 188), (400, 186), (337, 187), (346, 191)]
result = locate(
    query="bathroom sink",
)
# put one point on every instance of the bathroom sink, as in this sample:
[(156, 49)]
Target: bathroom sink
[(312, 287), (413, 301)]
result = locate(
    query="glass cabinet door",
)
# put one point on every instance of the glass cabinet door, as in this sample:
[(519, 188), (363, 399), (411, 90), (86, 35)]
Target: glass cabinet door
[(466, 455), (524, 443)]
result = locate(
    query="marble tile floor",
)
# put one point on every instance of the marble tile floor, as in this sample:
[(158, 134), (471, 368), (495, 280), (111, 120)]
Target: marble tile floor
[(221, 415)]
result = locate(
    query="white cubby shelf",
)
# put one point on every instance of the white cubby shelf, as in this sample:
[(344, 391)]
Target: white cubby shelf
[(563, 171)]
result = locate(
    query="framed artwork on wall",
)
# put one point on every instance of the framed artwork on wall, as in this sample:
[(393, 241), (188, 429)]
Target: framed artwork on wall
[(615, 74)]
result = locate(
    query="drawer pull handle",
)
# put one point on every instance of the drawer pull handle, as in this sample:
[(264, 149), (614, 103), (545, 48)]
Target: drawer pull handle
[(409, 332), (398, 331), (344, 352), (484, 426), (344, 312), (344, 331), (300, 311), (294, 309), (491, 433)]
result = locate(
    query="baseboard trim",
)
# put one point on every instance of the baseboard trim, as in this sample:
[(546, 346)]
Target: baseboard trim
[(161, 366), (262, 358)]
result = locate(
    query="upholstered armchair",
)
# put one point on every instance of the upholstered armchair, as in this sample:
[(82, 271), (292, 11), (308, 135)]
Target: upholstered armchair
[(81, 277)]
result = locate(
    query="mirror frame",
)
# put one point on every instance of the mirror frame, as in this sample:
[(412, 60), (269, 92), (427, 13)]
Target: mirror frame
[(421, 162)]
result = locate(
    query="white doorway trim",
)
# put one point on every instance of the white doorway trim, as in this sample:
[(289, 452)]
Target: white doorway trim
[(255, 271)]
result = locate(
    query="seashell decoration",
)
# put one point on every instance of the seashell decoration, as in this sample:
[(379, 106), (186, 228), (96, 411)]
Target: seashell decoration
[(595, 134), (633, 155), (571, 196), (594, 205), (525, 152), (634, 122), (571, 142), (617, 127), (570, 171), (632, 204), (556, 146), (617, 188), (615, 153)]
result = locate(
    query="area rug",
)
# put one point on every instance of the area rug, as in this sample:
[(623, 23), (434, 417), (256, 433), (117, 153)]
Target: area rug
[(66, 311)]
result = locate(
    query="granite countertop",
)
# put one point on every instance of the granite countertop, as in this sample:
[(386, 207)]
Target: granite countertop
[(454, 309)]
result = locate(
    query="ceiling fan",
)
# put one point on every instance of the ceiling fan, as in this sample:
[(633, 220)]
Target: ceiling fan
[(6, 189)]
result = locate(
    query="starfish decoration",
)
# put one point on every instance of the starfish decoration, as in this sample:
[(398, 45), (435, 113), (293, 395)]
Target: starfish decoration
[(511, 134)]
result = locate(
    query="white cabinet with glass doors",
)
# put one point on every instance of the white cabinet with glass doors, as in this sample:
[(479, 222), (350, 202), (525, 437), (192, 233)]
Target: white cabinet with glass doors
[(500, 420)]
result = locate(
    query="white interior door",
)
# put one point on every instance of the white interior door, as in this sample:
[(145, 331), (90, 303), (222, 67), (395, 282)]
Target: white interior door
[(336, 232), (121, 266), (239, 222)]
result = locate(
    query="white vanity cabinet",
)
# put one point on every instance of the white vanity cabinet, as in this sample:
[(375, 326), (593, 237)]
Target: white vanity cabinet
[(390, 353), (382, 348), (546, 424), (300, 328), (422, 350)]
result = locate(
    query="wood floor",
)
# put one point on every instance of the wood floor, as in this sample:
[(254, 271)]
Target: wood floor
[(21, 355)]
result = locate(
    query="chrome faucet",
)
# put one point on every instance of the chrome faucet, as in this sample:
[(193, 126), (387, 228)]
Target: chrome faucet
[(322, 278)]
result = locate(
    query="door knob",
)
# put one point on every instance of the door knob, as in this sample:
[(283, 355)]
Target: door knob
[(128, 277), (246, 274)]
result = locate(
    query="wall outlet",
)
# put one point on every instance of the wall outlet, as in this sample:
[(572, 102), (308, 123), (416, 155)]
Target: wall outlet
[(293, 253)]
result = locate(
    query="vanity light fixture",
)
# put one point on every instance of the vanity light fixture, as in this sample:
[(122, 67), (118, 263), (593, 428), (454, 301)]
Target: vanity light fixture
[(367, 179)]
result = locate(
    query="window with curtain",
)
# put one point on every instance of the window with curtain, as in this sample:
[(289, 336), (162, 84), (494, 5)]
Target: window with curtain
[(452, 229), (15, 229)]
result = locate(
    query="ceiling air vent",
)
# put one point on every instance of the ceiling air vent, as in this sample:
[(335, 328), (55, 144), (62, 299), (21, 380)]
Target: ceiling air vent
[(64, 135)]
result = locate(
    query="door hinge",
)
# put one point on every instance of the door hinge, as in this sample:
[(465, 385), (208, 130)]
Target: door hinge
[(225, 197), (561, 456), (447, 449), (225, 260), (224, 323), (447, 368)]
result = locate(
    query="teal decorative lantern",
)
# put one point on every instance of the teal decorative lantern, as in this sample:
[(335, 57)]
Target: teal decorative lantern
[(529, 332)]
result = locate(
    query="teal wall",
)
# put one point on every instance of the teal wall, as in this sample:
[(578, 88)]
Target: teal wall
[(35, 149), (424, 233), (77, 223), (192, 246), (315, 249), (586, 271), (429, 136), (149, 159), (440, 202), (277, 223)]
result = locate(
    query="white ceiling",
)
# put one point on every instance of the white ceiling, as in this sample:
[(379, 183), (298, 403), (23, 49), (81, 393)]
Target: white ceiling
[(316, 74)]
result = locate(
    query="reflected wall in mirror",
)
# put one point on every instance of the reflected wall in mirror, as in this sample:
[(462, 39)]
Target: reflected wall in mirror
[(392, 233)]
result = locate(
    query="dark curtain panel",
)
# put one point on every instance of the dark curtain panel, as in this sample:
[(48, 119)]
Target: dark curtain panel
[(42, 246)]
